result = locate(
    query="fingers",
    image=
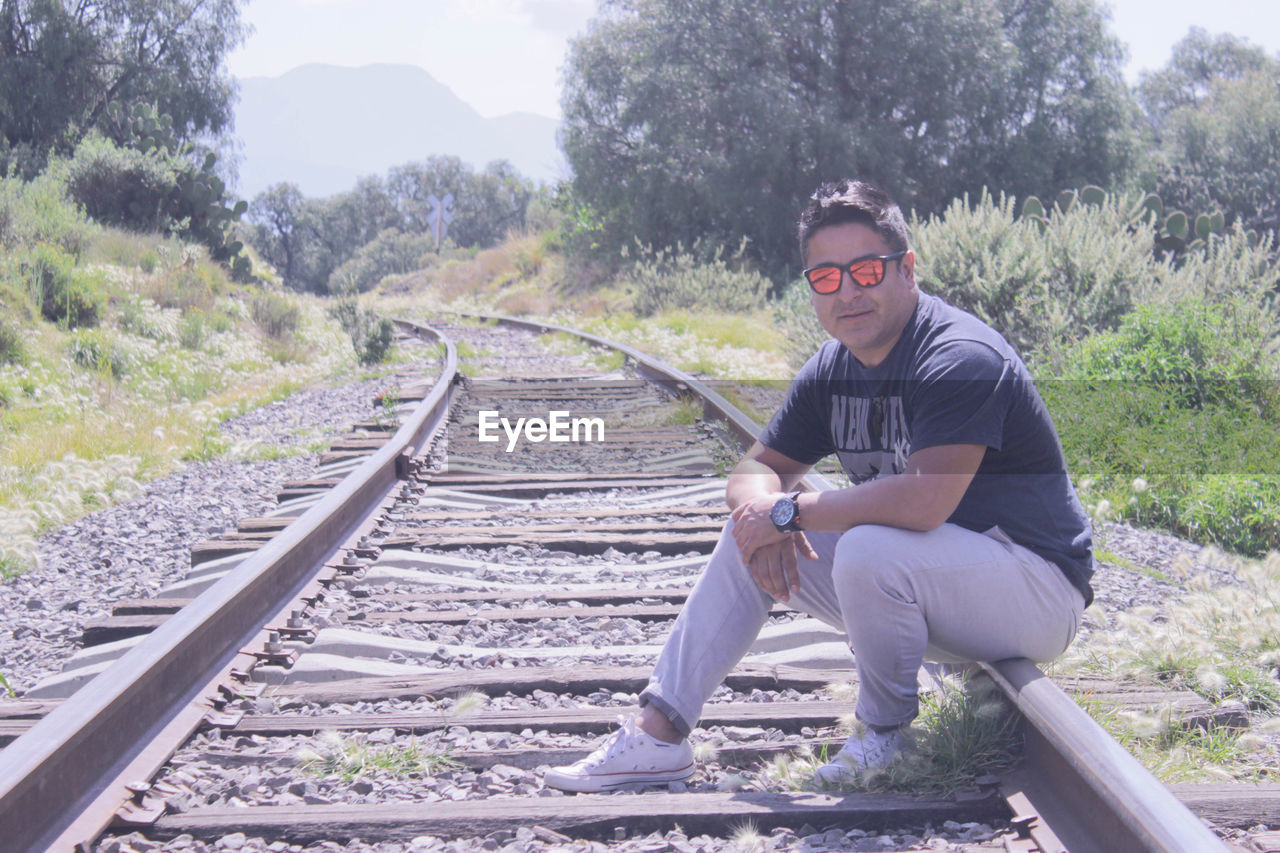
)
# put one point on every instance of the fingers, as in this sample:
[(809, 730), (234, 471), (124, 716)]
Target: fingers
[(774, 570), (803, 548)]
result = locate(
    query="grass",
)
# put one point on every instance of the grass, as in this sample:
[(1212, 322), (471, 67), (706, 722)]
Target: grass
[(1221, 641), (683, 411), (962, 732), (91, 414), (1104, 556), (1218, 640), (1181, 754), (353, 757)]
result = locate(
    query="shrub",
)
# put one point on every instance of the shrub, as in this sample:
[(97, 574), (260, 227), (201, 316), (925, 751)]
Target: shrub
[(193, 331), (1232, 265), (192, 285), (694, 279), (11, 349), (1201, 353), (1040, 283), (162, 184), (121, 186), (101, 352), (390, 253), (38, 212), (371, 336), (276, 315), (65, 295)]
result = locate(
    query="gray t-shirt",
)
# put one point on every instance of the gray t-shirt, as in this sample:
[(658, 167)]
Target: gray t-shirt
[(950, 379)]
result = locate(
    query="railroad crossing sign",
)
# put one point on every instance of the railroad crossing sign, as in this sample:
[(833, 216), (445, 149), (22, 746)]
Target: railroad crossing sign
[(440, 215)]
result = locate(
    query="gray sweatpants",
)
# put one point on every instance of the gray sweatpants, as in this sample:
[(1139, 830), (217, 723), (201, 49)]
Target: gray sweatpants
[(900, 596)]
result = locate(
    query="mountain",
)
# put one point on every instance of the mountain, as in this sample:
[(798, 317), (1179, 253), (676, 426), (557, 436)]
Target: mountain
[(323, 126)]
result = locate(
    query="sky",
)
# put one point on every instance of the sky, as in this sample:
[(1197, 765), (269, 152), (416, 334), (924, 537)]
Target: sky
[(503, 56)]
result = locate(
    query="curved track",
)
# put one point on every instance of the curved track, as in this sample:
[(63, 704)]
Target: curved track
[(642, 504)]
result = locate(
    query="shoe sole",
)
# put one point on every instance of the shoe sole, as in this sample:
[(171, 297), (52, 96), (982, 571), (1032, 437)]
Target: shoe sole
[(596, 784)]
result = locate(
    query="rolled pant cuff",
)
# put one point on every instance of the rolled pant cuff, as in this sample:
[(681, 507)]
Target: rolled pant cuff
[(649, 696)]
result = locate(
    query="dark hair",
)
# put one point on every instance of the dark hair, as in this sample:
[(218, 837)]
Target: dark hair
[(853, 201)]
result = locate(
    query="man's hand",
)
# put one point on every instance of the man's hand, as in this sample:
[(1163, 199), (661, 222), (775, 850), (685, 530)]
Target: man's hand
[(770, 555)]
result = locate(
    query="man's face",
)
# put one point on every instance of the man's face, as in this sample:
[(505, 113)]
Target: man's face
[(867, 320)]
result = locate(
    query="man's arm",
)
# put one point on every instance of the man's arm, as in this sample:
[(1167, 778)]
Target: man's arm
[(922, 497), (763, 471)]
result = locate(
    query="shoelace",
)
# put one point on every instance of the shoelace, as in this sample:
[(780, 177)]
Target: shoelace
[(621, 741)]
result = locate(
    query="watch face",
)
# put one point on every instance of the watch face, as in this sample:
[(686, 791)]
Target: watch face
[(782, 513)]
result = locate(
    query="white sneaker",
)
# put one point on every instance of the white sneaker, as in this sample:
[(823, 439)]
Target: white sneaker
[(866, 750), (627, 757)]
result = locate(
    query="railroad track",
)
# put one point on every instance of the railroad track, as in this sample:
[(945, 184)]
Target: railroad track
[(464, 599)]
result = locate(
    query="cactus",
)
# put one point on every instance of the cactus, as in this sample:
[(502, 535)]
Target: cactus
[(1092, 195), (199, 201), (1175, 233)]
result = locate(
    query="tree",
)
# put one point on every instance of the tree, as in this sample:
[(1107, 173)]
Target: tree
[(1214, 111), (310, 240), (64, 63), (486, 204), (714, 118), (279, 230)]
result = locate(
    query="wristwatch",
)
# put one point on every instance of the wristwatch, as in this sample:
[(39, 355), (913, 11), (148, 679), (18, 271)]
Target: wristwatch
[(785, 514)]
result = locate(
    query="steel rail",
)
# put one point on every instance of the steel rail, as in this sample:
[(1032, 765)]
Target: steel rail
[(69, 762), (1094, 794)]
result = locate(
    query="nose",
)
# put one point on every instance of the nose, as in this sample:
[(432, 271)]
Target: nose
[(848, 284)]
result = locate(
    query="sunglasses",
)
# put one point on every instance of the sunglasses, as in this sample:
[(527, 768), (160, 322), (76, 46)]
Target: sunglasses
[(865, 272)]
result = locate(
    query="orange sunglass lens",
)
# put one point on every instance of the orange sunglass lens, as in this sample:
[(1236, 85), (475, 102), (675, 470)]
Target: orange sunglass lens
[(867, 273), (825, 279)]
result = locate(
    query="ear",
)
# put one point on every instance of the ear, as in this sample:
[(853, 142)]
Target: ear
[(908, 263)]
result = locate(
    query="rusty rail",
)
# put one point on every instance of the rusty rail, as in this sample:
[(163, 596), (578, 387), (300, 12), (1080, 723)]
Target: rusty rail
[(61, 781)]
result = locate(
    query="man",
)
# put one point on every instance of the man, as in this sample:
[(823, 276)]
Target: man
[(961, 539)]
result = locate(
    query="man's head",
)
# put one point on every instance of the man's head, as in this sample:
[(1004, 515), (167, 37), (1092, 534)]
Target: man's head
[(853, 201), (860, 272)]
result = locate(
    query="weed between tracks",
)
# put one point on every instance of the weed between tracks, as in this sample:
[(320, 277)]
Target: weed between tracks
[(356, 755), (964, 731), (353, 757)]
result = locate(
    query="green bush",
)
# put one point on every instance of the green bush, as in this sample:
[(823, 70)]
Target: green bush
[(1040, 283), (371, 336), (161, 185), (193, 330), (66, 295), (276, 315), (38, 212), (101, 352), (1230, 266), (1170, 421), (1201, 353), (694, 279), (11, 349), (390, 253), (122, 186)]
